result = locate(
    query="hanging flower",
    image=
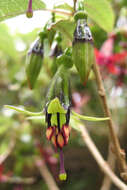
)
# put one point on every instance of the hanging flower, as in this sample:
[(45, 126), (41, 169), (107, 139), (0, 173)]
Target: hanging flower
[(57, 111)]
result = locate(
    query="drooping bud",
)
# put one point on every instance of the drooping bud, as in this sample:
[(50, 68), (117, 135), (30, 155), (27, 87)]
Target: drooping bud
[(83, 51), (29, 12), (34, 62)]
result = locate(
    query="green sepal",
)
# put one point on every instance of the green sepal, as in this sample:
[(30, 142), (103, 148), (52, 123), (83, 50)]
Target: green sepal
[(54, 119), (55, 107)]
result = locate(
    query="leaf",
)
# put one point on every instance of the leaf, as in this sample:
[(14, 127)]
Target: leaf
[(66, 27), (101, 12), (12, 8), (87, 118), (64, 6)]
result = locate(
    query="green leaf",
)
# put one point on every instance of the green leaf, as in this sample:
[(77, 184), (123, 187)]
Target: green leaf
[(66, 27), (101, 12), (21, 110), (12, 8), (64, 6), (87, 118)]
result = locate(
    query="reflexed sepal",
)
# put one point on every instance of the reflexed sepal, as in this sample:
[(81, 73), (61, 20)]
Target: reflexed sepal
[(83, 51), (34, 62)]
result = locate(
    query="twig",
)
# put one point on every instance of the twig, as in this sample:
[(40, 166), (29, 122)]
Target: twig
[(46, 175), (106, 185), (102, 164), (117, 150)]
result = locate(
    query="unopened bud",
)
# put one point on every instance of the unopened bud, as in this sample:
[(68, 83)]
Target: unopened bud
[(29, 12)]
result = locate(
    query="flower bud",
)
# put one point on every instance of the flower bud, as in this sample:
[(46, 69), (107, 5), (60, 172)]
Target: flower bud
[(29, 12), (83, 51), (34, 62)]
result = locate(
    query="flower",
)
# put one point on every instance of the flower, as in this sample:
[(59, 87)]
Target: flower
[(57, 113), (58, 130), (109, 62)]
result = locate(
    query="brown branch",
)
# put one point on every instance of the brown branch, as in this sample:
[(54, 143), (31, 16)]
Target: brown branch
[(114, 139), (46, 175), (97, 156), (106, 185), (111, 161)]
